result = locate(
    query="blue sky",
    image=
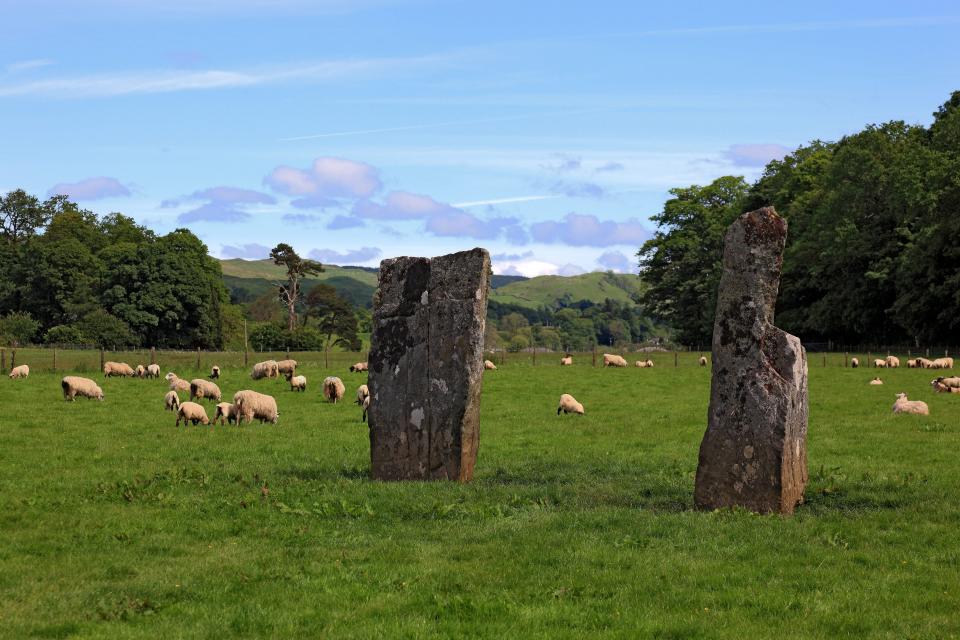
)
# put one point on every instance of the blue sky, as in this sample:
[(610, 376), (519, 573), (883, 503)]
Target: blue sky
[(547, 132)]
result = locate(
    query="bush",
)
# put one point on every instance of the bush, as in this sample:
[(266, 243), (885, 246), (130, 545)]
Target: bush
[(65, 334), (106, 331), (275, 337), (17, 328)]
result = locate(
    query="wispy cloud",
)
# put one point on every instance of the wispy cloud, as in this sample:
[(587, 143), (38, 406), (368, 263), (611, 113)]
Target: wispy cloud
[(755, 155), (351, 256), (483, 203), (27, 65), (90, 189)]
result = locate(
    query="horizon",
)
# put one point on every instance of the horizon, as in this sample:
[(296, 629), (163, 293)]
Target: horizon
[(357, 131)]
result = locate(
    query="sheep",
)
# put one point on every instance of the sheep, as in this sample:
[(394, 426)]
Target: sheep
[(912, 363), (287, 366), (226, 413), (649, 364), (214, 372), (939, 387), (854, 363), (569, 404), (141, 371), (366, 409), (489, 366), (251, 404), (948, 382), (153, 371), (200, 388), (177, 384), (642, 364), (360, 366), (923, 363), (191, 412), (880, 363), (76, 386), (297, 383), (916, 407), (117, 369), (333, 389), (942, 363), (566, 361), (363, 392), (265, 369), (703, 361), (876, 380), (893, 362), (20, 371), (171, 401), (613, 360)]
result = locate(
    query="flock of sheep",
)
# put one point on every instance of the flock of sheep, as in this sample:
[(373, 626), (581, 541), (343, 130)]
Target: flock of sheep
[(940, 385)]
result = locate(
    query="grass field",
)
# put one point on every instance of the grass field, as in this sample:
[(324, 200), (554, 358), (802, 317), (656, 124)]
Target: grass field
[(116, 524)]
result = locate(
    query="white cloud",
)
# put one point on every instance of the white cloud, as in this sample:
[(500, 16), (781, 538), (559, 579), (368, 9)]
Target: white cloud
[(90, 189), (328, 178), (353, 256), (27, 65)]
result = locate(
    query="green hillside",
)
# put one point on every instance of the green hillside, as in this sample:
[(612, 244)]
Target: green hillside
[(249, 279), (546, 290)]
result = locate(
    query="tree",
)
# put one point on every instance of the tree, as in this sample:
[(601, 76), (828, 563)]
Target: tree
[(21, 215), (335, 317), (18, 328), (297, 269)]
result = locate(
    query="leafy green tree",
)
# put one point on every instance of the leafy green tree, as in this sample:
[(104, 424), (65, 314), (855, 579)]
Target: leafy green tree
[(106, 331), (335, 317), (18, 328), (22, 215), (297, 269)]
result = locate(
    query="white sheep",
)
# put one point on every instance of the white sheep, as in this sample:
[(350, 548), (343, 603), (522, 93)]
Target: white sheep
[(489, 366), (876, 380), (613, 360), (153, 371), (297, 383), (893, 362), (566, 361), (141, 371), (287, 366), (117, 369), (76, 386), (265, 369), (191, 412), (200, 388), (923, 363), (366, 409), (214, 372), (171, 401), (20, 371), (917, 407), (177, 384), (947, 382), (649, 364), (942, 363), (359, 366), (569, 404), (363, 392), (939, 387), (226, 412), (854, 363), (642, 364), (333, 389), (880, 363), (251, 404), (703, 361)]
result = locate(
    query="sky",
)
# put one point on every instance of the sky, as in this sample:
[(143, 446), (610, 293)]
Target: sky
[(357, 130)]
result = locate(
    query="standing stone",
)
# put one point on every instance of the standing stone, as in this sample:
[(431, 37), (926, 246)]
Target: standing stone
[(754, 453), (426, 366)]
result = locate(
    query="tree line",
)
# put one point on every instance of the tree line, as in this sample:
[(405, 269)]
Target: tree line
[(873, 246)]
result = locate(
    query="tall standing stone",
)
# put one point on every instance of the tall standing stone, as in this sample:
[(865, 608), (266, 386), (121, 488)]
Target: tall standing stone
[(426, 366), (754, 452)]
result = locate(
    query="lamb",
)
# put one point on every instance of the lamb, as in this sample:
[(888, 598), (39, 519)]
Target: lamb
[(703, 361), (171, 401), (214, 372), (191, 412), (893, 362), (333, 389), (153, 371), (287, 366), (76, 386), (569, 404), (226, 412), (641, 364), (363, 392), (20, 371), (854, 363), (141, 371), (880, 363), (489, 366), (265, 369), (360, 366), (297, 383), (876, 380), (566, 361), (916, 407), (613, 360), (649, 364), (200, 388), (366, 408), (250, 405), (117, 369), (177, 384)]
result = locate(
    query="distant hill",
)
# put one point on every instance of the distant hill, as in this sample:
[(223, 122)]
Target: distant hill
[(249, 279)]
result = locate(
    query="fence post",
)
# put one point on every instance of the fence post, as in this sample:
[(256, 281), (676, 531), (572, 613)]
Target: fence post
[(594, 355), (101, 358), (676, 359), (54, 359), (824, 361), (288, 352), (326, 357), (13, 358), (153, 355), (245, 342), (534, 343), (846, 359), (3, 359)]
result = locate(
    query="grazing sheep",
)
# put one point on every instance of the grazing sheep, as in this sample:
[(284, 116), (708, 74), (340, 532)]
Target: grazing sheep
[(333, 389), (153, 371), (177, 384), (880, 363), (893, 362), (191, 412), (489, 366), (265, 369), (141, 371), (214, 372), (912, 363), (948, 382), (117, 369), (251, 404), (703, 361), (297, 383), (649, 364), (287, 366), (613, 360), (226, 412), (854, 363), (566, 361), (366, 408), (569, 404), (76, 386), (171, 401), (923, 363), (641, 364), (876, 380), (942, 363), (20, 371), (939, 387), (360, 366), (200, 388), (917, 407), (363, 392)]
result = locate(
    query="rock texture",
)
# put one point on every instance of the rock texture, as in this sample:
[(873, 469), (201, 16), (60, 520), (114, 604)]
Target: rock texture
[(426, 366), (754, 453)]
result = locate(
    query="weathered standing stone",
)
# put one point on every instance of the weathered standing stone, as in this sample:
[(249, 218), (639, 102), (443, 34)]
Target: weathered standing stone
[(754, 452), (426, 366)]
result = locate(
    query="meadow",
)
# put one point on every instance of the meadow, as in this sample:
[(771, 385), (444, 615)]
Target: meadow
[(116, 524)]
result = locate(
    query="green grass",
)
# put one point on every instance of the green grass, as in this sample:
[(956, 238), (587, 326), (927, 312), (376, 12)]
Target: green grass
[(546, 290), (116, 524)]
